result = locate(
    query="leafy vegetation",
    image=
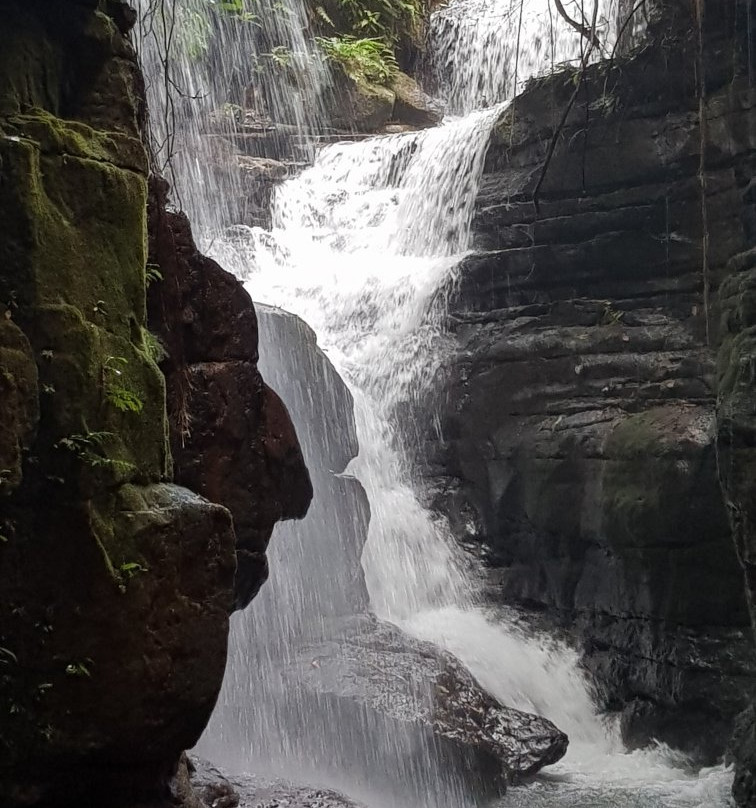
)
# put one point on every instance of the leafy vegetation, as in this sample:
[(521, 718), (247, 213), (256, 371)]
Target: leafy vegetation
[(117, 394), (388, 20), (131, 568), (90, 449), (194, 23), (368, 60)]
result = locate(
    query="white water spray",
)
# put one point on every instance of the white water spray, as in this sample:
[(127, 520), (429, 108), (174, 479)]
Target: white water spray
[(346, 259)]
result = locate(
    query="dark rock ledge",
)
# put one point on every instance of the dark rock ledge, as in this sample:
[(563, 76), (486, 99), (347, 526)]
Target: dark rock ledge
[(600, 388)]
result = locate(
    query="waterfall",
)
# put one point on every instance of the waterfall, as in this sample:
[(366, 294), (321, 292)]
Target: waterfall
[(364, 244), (483, 51), (344, 255), (199, 64)]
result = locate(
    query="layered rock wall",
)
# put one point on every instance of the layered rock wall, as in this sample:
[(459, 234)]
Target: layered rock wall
[(579, 416)]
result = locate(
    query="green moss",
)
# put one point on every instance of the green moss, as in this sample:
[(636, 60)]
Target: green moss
[(19, 408), (79, 233), (55, 136)]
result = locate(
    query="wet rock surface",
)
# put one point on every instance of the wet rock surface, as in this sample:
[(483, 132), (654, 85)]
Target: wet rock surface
[(579, 413), (322, 408), (116, 583), (232, 438), (217, 790), (373, 674), (411, 105)]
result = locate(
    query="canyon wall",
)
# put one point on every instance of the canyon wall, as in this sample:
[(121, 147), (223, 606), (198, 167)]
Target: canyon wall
[(117, 582), (601, 371)]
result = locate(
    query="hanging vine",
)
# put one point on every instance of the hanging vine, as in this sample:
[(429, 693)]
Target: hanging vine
[(702, 180)]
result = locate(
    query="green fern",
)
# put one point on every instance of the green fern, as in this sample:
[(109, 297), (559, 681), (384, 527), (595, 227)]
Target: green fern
[(388, 20), (362, 59), (90, 449), (116, 394)]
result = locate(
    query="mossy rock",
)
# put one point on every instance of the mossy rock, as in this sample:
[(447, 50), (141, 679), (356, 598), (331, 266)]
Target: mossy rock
[(19, 400), (411, 104), (80, 232), (116, 586), (361, 106), (120, 656)]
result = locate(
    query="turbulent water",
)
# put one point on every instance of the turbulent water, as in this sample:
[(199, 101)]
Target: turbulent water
[(364, 245)]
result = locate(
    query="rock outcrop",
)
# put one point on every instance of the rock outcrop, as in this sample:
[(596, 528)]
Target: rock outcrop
[(216, 790), (373, 674), (116, 582), (341, 691), (579, 415), (231, 437), (328, 546)]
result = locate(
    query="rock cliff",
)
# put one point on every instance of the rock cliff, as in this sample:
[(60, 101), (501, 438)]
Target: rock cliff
[(116, 582), (602, 357)]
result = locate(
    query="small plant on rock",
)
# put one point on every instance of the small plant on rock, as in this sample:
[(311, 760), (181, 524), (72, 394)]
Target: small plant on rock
[(90, 449), (362, 59), (115, 392)]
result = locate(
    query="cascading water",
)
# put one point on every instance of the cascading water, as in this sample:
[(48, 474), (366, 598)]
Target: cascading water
[(339, 257), (362, 247), (482, 51), (198, 65)]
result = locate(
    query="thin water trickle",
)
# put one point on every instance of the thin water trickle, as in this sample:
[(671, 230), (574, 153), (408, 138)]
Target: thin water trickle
[(363, 244)]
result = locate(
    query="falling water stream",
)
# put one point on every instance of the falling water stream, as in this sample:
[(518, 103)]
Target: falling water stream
[(362, 245)]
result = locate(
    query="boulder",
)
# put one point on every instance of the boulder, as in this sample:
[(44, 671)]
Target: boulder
[(411, 105), (232, 439), (218, 790), (357, 105), (372, 674)]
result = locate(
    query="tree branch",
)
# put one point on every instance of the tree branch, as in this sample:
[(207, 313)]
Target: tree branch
[(588, 33), (593, 42)]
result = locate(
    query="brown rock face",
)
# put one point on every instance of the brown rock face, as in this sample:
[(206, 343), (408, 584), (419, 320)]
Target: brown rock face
[(231, 437), (579, 414)]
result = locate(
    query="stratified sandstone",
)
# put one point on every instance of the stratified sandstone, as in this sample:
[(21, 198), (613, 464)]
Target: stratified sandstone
[(579, 413)]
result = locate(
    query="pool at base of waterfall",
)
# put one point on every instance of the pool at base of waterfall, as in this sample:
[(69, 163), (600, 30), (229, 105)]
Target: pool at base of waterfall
[(709, 788)]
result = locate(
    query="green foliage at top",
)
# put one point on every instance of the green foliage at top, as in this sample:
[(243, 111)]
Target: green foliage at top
[(389, 20), (194, 23), (368, 60)]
